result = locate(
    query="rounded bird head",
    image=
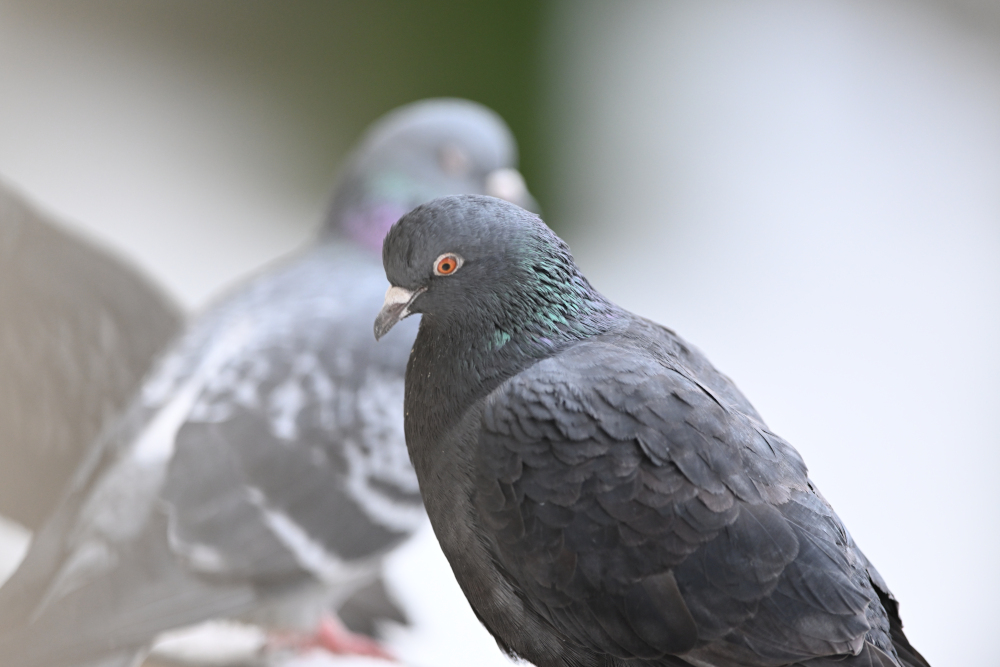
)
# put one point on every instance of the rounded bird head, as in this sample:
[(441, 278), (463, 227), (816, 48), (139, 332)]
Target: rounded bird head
[(418, 152), (488, 267)]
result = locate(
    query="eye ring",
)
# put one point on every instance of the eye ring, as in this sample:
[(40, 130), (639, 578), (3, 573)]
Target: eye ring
[(447, 264)]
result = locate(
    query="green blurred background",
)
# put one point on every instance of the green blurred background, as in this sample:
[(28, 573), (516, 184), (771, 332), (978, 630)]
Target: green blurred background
[(338, 65), (181, 108)]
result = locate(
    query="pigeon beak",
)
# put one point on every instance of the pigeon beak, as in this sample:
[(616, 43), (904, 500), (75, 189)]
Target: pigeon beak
[(396, 307), (507, 183)]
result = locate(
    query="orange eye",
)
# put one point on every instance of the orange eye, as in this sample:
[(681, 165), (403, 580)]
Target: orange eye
[(447, 264)]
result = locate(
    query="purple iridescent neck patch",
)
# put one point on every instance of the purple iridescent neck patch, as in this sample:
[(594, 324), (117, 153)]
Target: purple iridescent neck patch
[(369, 224)]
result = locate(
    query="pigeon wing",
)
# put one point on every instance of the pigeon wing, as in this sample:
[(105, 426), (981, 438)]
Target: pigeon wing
[(643, 517), (78, 330), (298, 457), (215, 472)]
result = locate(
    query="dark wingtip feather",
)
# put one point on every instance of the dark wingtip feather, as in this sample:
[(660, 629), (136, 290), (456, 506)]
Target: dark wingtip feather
[(907, 654)]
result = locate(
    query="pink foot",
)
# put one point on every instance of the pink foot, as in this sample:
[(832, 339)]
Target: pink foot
[(332, 636)]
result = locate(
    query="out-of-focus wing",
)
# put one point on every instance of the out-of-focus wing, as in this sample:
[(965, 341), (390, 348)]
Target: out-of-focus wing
[(78, 330), (301, 447), (264, 454)]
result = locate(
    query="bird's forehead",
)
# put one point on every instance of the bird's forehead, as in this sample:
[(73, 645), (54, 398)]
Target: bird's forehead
[(423, 245), (474, 226), (412, 247)]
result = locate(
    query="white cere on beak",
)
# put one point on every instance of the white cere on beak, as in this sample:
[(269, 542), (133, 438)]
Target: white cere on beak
[(507, 183), (397, 295), (395, 308)]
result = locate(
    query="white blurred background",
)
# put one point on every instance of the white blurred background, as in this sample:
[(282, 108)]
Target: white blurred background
[(810, 192)]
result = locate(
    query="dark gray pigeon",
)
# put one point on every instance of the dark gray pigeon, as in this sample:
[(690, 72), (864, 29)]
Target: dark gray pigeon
[(605, 496), (79, 328), (261, 472)]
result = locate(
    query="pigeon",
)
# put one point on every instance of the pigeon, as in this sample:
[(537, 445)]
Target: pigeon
[(604, 495), (79, 328), (261, 471)]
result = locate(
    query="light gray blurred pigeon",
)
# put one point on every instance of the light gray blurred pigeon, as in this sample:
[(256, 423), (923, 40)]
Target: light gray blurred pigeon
[(79, 328), (606, 497), (261, 471)]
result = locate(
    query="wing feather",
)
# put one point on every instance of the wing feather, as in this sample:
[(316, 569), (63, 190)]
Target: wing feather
[(650, 516)]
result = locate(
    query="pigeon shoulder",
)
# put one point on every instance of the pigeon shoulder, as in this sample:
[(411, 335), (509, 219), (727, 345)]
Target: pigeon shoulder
[(665, 341)]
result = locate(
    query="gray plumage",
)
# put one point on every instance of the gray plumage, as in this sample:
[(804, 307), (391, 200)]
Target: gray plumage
[(261, 471), (604, 495), (79, 328)]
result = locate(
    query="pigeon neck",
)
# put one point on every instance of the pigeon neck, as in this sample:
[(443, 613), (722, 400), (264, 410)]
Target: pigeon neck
[(533, 329), (454, 365), (364, 223)]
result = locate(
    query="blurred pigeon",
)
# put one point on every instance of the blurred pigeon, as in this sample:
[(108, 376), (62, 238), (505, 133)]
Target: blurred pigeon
[(78, 330), (603, 494), (261, 472)]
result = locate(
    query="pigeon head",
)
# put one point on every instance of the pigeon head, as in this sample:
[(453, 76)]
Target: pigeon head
[(420, 151), (486, 269)]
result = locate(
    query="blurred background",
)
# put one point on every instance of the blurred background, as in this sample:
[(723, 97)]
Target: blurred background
[(810, 192)]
